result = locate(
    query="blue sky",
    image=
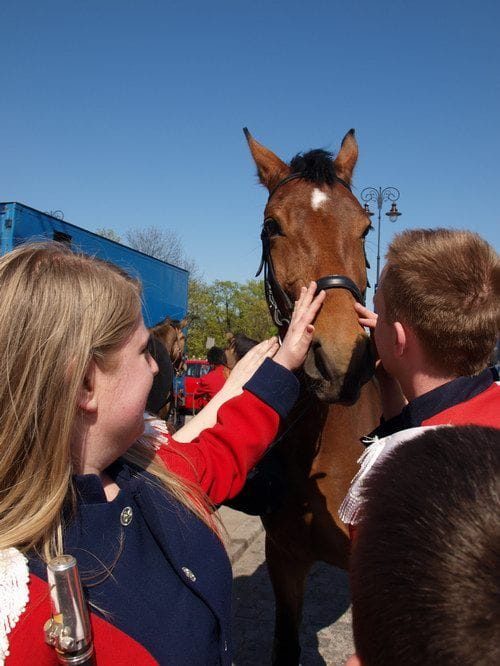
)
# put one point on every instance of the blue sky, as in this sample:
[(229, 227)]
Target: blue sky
[(126, 114)]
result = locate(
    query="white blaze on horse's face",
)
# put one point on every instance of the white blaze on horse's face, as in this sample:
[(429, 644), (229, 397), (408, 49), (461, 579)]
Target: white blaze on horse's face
[(318, 198)]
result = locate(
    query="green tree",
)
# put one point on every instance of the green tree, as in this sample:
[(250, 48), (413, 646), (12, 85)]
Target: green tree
[(226, 307), (254, 319)]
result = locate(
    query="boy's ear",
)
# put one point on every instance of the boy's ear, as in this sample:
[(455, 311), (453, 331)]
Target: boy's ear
[(87, 401), (400, 338), (354, 661)]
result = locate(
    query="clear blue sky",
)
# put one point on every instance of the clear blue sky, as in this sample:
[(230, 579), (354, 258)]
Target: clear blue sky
[(126, 114)]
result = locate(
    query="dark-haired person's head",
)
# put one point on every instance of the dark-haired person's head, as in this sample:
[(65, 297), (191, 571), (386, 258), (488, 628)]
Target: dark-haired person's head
[(425, 566), (240, 344), (216, 356), (162, 381)]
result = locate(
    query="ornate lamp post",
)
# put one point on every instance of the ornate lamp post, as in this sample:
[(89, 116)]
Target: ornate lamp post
[(379, 195)]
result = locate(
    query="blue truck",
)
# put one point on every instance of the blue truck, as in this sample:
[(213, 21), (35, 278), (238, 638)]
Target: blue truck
[(165, 286)]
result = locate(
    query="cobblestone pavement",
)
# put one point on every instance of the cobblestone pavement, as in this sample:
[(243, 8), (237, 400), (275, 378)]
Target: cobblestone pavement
[(326, 626)]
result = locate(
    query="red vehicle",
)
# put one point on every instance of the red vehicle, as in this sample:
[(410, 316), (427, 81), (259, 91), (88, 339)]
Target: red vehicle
[(195, 369)]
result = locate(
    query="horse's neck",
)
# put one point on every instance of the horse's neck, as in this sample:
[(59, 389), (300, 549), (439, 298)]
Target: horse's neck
[(168, 336), (316, 429), (302, 428)]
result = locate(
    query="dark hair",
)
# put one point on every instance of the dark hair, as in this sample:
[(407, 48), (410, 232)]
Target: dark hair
[(216, 356), (162, 381), (241, 344), (426, 556)]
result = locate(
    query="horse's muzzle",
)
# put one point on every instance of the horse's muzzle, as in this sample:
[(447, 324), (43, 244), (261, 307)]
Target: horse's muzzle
[(332, 381)]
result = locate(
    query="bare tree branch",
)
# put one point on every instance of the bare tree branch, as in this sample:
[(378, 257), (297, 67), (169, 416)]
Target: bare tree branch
[(109, 233), (164, 244)]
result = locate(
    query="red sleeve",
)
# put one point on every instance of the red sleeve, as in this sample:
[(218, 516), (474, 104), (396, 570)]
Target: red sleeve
[(220, 458)]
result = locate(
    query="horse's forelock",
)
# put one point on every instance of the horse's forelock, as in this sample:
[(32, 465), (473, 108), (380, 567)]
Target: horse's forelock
[(168, 323), (315, 166)]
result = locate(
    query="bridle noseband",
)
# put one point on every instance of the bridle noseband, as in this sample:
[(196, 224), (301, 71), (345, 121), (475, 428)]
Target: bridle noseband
[(279, 303)]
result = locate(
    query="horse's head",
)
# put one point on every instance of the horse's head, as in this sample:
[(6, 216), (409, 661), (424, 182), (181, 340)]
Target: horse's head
[(170, 332), (314, 228)]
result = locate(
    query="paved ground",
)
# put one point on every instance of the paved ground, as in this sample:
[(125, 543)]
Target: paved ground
[(326, 628)]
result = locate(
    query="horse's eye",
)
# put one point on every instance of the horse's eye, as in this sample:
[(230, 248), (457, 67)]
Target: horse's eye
[(365, 232), (272, 228)]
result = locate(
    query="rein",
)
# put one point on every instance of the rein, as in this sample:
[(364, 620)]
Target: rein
[(279, 303)]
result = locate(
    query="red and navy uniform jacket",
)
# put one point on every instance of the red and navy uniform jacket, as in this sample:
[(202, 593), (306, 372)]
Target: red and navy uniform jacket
[(463, 401), (211, 383), (166, 596)]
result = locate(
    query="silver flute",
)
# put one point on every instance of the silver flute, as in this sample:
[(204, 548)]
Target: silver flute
[(68, 630)]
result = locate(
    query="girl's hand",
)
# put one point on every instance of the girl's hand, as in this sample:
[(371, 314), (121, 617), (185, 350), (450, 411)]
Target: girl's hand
[(240, 374), (292, 352), (247, 366)]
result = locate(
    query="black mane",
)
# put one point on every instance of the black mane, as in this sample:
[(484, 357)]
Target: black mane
[(315, 166)]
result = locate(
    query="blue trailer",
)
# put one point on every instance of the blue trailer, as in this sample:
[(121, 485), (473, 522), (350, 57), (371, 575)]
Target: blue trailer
[(165, 286)]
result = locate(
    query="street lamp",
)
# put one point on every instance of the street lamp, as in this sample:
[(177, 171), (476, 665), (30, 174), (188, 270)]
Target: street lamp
[(379, 195)]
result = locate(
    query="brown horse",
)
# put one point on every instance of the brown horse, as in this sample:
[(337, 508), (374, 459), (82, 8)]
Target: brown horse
[(314, 229), (170, 333)]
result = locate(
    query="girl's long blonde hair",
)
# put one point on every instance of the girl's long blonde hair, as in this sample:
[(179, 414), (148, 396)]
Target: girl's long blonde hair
[(59, 311)]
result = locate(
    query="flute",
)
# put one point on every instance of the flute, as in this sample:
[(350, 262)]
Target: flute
[(68, 630)]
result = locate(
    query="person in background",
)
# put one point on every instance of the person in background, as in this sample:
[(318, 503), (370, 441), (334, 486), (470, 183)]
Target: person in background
[(214, 380), (161, 390), (78, 476), (238, 346), (425, 561)]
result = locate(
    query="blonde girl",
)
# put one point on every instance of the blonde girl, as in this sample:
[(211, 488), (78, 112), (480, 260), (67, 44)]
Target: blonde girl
[(76, 374)]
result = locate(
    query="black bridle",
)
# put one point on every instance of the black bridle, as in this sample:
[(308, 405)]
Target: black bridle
[(279, 303)]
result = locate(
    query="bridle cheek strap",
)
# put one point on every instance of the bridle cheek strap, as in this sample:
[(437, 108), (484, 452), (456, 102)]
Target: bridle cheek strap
[(278, 301)]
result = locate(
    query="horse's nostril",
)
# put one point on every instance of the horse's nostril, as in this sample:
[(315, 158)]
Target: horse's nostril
[(315, 344), (321, 362)]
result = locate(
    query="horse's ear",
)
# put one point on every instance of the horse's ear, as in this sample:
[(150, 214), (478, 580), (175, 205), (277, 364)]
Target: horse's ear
[(269, 166), (184, 322), (347, 157)]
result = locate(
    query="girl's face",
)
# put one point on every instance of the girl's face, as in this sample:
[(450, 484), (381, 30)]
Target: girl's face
[(121, 391)]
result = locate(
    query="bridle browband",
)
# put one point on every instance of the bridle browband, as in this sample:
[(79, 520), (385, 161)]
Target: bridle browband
[(279, 303), (294, 176)]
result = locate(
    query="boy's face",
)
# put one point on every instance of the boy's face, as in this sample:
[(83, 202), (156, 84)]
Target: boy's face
[(384, 331)]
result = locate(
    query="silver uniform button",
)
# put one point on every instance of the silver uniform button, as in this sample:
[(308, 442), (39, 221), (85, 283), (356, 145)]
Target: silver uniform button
[(126, 516), (189, 574)]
